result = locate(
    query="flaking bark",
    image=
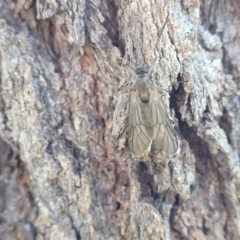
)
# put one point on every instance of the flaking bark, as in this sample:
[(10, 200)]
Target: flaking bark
[(66, 170)]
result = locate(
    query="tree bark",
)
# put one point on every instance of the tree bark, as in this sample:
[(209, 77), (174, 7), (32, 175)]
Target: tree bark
[(66, 169)]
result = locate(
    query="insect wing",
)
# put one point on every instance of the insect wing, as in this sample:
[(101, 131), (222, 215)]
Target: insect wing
[(140, 130), (164, 135)]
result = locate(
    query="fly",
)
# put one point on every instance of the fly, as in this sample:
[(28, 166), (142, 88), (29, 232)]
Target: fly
[(150, 127)]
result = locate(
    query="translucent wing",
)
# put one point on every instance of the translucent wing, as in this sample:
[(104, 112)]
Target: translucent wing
[(140, 130), (164, 136)]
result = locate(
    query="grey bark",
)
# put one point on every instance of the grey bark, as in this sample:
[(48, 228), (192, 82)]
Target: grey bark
[(66, 170)]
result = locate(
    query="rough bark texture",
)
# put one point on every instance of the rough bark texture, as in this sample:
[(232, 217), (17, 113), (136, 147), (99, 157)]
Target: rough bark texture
[(66, 171)]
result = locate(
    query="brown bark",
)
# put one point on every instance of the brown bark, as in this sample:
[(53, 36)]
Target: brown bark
[(66, 170)]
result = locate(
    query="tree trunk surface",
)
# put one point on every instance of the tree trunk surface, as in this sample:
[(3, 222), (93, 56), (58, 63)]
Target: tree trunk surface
[(66, 171)]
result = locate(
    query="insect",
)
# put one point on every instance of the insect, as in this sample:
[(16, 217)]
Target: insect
[(150, 128)]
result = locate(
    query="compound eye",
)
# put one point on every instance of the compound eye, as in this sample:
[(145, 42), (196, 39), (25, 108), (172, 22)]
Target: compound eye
[(142, 70)]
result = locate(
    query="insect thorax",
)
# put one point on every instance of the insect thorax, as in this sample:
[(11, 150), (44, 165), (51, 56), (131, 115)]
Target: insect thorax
[(142, 83)]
